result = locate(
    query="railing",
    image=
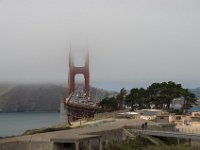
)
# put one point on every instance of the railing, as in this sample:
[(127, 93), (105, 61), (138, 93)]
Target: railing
[(170, 134), (188, 129)]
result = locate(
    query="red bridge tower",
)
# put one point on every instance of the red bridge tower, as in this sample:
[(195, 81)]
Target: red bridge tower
[(73, 71)]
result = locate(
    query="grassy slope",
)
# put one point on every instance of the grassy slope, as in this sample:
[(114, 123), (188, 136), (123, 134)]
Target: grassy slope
[(143, 144)]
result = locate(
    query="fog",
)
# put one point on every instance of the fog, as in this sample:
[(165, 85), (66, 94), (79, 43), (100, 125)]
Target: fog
[(132, 43)]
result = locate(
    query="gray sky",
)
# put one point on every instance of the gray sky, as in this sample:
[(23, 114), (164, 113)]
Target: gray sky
[(132, 43)]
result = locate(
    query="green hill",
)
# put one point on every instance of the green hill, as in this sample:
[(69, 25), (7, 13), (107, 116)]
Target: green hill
[(43, 97)]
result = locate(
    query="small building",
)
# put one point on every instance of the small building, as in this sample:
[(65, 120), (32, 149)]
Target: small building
[(77, 143), (149, 114), (182, 119), (195, 119), (165, 118), (196, 114)]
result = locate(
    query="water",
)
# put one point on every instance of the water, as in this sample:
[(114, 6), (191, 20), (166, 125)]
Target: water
[(17, 123), (195, 108)]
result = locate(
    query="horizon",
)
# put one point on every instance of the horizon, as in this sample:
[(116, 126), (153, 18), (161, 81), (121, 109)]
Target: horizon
[(111, 86)]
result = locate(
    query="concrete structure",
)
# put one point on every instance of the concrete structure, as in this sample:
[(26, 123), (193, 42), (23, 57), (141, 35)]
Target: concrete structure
[(76, 143), (165, 118), (106, 132), (195, 119), (177, 135), (63, 112), (149, 114), (195, 114), (172, 118), (182, 119)]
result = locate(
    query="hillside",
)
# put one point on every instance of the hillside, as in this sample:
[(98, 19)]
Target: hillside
[(44, 97)]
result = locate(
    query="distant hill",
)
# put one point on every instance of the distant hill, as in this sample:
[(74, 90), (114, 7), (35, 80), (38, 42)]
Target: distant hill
[(98, 94), (196, 92), (44, 97)]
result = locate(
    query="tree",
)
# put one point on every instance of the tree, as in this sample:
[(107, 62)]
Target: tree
[(154, 94), (142, 98), (109, 104), (131, 98), (138, 98), (189, 100), (162, 94), (121, 98), (159, 95)]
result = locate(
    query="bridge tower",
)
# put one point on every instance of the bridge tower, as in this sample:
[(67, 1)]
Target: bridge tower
[(74, 70)]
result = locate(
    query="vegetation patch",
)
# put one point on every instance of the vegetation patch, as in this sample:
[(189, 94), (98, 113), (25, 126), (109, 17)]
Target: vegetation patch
[(157, 95), (141, 143), (173, 147)]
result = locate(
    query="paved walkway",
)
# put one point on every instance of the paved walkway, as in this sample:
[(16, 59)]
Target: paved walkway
[(103, 125)]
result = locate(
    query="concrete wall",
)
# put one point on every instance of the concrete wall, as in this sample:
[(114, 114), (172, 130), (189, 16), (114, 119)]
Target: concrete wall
[(10, 146), (40, 146), (60, 146), (20, 145), (108, 136), (111, 136), (164, 119), (63, 112), (195, 124)]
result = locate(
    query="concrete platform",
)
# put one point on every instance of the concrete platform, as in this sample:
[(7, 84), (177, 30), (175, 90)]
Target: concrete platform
[(109, 132)]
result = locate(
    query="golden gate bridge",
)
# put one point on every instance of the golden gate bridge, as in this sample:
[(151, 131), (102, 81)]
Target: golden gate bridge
[(78, 103)]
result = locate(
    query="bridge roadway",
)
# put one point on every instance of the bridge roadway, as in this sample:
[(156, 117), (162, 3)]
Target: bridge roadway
[(170, 134)]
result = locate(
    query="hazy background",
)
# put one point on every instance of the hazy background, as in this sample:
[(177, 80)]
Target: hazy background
[(132, 43)]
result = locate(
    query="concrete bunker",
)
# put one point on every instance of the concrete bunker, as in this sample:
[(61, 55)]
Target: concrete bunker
[(78, 142)]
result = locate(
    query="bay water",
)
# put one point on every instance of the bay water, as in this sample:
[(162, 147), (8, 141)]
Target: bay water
[(17, 123)]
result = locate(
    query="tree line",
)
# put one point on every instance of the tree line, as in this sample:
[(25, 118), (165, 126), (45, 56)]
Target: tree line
[(157, 96)]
